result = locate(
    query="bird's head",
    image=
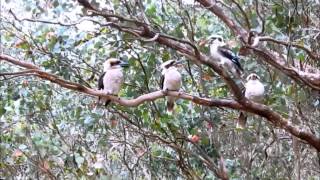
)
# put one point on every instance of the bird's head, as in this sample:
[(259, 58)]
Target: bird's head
[(217, 40), (114, 63), (253, 77), (170, 64), (214, 40)]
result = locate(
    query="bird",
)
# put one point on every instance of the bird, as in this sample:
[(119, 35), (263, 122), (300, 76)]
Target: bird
[(111, 79), (170, 81), (254, 91), (225, 57)]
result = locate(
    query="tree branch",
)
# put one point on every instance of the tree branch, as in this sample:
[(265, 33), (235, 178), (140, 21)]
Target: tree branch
[(45, 21), (310, 79), (248, 106), (124, 102), (288, 43), (184, 47)]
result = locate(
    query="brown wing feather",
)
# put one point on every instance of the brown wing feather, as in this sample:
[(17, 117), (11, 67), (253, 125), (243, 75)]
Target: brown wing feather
[(100, 81), (161, 81)]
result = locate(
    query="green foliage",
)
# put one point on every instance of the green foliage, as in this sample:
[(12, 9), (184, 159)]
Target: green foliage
[(50, 131)]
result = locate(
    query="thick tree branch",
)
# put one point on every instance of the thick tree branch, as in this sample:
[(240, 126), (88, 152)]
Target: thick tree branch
[(248, 106), (311, 79), (185, 48), (288, 43), (124, 102), (17, 73)]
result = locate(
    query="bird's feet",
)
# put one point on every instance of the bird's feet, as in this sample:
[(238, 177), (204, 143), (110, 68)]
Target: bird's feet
[(109, 93), (165, 91)]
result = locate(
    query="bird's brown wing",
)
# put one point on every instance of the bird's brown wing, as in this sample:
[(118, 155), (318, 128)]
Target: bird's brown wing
[(161, 81), (230, 55), (100, 81)]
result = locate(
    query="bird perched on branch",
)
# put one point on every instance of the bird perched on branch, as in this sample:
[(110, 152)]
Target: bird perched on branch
[(170, 81), (111, 79), (254, 91), (223, 55)]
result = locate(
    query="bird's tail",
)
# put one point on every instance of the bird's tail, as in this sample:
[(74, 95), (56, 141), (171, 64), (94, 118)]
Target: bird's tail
[(170, 104), (241, 121), (107, 102)]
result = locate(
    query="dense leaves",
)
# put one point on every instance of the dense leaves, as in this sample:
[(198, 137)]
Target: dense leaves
[(52, 132)]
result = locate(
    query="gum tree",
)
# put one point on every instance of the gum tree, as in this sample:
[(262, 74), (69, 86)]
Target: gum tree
[(52, 54)]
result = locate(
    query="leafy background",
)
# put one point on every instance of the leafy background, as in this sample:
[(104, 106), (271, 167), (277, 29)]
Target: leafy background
[(51, 132)]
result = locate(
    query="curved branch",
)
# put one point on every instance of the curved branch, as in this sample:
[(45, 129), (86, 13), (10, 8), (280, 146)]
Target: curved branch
[(310, 79), (145, 32), (286, 43), (248, 106), (17, 62), (156, 36), (184, 47), (124, 102), (17, 73), (45, 21)]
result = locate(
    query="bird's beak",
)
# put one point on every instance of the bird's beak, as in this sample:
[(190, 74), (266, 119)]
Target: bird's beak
[(178, 63), (124, 64), (223, 44)]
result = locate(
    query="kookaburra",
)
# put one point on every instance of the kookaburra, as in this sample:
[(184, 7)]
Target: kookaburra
[(254, 88), (111, 79), (170, 81), (254, 91), (225, 57)]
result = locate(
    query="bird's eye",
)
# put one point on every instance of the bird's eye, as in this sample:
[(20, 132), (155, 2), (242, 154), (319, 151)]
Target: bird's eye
[(220, 39), (115, 63)]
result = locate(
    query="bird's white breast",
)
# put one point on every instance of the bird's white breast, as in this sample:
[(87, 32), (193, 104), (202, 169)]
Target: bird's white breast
[(254, 90), (113, 80), (219, 58), (214, 52), (172, 79)]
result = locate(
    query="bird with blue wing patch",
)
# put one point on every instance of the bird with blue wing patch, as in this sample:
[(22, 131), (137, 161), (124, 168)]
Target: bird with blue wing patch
[(111, 79), (170, 80), (225, 57)]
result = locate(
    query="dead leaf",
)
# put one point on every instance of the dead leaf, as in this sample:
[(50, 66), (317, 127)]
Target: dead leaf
[(207, 77), (17, 153)]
